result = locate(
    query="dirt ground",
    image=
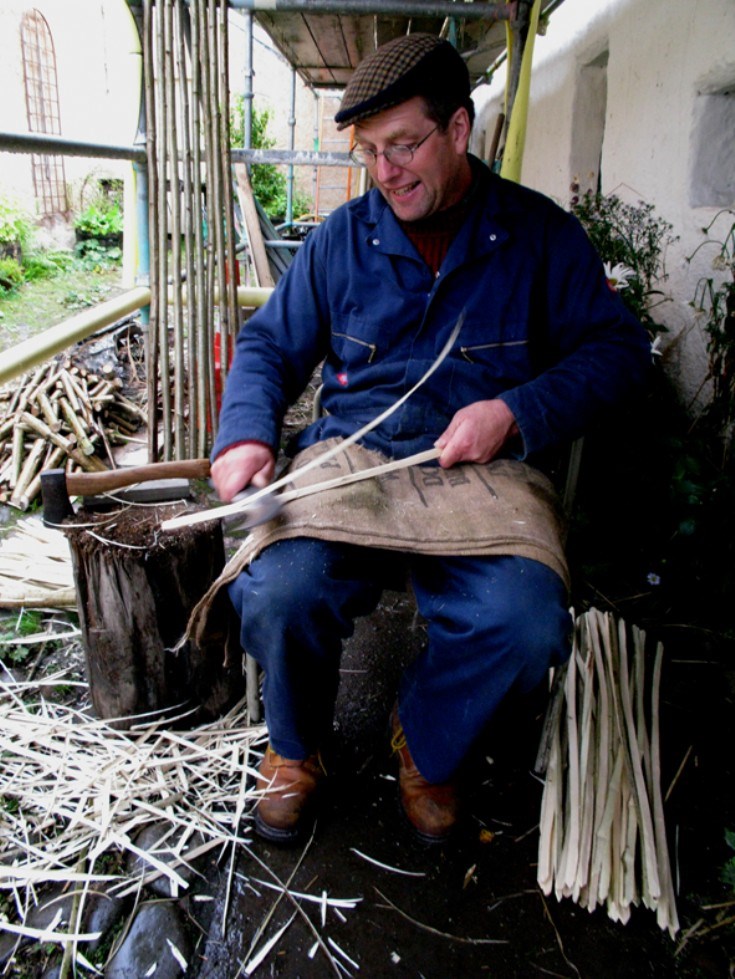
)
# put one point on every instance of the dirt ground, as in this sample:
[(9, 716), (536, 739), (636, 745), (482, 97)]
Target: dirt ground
[(473, 907)]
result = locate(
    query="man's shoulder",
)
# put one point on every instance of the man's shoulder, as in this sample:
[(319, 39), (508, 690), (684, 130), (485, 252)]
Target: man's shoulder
[(505, 195), (367, 209)]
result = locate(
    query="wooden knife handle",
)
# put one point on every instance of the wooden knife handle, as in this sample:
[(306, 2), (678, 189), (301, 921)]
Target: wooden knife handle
[(89, 484)]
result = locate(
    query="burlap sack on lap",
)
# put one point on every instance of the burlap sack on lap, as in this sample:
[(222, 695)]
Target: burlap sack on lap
[(501, 508)]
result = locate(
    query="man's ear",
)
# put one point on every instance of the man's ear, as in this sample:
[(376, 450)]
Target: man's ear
[(460, 128)]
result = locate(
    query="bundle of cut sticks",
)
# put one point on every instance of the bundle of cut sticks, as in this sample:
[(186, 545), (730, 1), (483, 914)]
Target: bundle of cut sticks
[(60, 416), (602, 834)]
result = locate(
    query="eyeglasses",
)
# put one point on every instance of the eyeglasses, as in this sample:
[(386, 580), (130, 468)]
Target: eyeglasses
[(398, 154)]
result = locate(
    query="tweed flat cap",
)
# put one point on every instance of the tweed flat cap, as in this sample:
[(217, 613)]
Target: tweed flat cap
[(413, 64)]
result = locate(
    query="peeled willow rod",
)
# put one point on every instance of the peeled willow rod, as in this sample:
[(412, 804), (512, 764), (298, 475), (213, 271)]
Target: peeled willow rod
[(233, 311), (586, 761), (217, 182), (205, 58), (570, 850), (203, 331), (164, 171), (666, 913), (603, 750), (648, 845), (151, 328), (192, 285), (174, 120)]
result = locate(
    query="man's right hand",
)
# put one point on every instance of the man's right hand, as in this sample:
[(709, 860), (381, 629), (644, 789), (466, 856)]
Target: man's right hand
[(251, 463)]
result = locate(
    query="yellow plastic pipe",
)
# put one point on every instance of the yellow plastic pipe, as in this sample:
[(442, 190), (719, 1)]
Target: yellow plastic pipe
[(516, 140), (37, 349)]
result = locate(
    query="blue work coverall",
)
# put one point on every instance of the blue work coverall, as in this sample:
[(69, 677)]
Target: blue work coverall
[(542, 330)]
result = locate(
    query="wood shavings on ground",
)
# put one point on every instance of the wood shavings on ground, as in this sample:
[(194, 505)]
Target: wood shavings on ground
[(35, 567), (602, 834), (75, 789)]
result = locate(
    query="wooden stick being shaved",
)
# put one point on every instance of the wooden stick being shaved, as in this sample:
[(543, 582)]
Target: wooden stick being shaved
[(233, 508), (296, 494)]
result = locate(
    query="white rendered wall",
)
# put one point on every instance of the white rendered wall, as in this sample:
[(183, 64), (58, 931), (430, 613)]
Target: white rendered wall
[(98, 74), (664, 66)]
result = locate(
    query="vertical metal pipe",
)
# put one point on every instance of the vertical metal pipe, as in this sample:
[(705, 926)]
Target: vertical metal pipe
[(292, 145), (315, 171), (247, 105)]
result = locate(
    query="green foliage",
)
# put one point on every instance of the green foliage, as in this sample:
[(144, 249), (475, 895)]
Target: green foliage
[(28, 623), (629, 234), (11, 275), (76, 299), (95, 256), (268, 181), (15, 225), (714, 302), (101, 219), (728, 871), (43, 264)]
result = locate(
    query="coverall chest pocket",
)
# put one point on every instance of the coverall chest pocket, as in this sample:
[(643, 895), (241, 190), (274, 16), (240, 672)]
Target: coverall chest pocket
[(355, 341), (506, 359)]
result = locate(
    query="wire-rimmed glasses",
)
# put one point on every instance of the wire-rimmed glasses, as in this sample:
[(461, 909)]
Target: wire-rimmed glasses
[(397, 154)]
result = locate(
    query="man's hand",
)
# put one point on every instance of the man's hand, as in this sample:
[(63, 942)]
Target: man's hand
[(242, 465), (477, 433)]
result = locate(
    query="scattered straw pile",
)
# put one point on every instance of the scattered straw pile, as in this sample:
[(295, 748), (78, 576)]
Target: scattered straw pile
[(603, 837), (35, 567), (74, 789)]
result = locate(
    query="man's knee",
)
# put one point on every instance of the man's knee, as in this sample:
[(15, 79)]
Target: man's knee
[(530, 609)]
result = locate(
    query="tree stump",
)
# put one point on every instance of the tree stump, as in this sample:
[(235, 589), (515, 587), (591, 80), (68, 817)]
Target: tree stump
[(135, 589)]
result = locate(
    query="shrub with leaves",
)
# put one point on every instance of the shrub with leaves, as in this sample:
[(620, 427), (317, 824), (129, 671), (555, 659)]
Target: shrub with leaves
[(15, 226), (714, 303), (101, 220), (630, 235), (267, 180), (45, 264), (11, 275)]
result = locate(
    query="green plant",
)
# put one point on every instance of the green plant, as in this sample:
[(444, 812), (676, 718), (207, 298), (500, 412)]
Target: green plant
[(44, 264), (632, 236), (28, 623), (81, 300), (101, 219), (714, 302), (15, 225), (95, 256), (11, 274), (268, 182), (728, 871)]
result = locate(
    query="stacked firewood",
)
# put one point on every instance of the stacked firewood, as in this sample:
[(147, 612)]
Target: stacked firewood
[(61, 416)]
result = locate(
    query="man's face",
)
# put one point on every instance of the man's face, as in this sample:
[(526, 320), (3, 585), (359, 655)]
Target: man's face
[(438, 175)]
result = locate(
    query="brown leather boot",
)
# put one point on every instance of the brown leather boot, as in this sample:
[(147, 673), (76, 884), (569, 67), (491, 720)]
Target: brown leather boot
[(289, 788), (430, 808)]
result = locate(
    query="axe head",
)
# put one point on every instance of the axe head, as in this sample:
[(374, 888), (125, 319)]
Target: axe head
[(264, 509), (55, 498)]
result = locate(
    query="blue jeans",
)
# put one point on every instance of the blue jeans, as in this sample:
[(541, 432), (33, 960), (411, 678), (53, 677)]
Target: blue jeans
[(495, 624)]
